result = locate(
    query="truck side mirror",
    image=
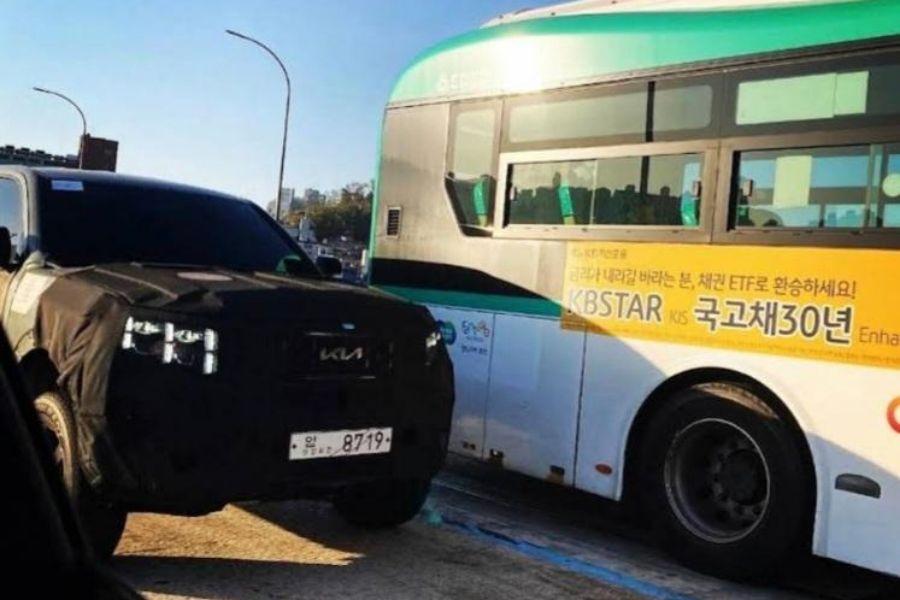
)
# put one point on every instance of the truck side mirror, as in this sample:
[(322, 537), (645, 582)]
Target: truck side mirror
[(330, 266), (6, 249)]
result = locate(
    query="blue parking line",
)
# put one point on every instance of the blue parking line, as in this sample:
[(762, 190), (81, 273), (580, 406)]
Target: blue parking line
[(546, 555)]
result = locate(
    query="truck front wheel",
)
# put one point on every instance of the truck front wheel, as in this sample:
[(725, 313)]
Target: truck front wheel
[(102, 523), (382, 504)]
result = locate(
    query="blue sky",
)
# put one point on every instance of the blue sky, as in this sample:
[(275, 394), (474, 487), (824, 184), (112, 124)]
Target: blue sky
[(189, 103)]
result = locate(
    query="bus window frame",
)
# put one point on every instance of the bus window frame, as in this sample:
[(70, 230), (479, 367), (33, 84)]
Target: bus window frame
[(647, 84), (798, 67), (565, 95), (496, 105), (620, 233), (835, 237), (714, 78)]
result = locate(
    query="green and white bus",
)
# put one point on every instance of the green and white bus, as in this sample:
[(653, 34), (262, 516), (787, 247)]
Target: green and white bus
[(664, 250)]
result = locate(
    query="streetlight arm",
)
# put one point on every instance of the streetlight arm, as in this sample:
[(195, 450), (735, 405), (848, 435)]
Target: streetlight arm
[(287, 114), (70, 101), (287, 77)]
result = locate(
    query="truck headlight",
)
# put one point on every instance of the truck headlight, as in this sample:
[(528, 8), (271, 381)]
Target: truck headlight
[(173, 344), (432, 346), (143, 337)]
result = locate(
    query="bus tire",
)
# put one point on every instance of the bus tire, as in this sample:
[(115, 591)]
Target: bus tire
[(102, 523), (382, 504), (724, 482)]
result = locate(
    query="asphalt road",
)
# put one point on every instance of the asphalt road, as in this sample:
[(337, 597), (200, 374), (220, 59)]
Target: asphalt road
[(302, 550), (483, 534)]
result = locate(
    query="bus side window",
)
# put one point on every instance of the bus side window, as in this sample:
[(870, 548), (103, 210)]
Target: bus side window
[(889, 188), (817, 95), (634, 190), (851, 187), (470, 181)]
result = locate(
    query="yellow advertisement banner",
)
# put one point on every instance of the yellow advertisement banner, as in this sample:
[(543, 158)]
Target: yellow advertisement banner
[(817, 303)]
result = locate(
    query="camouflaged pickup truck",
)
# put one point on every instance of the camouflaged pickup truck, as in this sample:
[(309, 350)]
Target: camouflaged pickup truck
[(184, 352)]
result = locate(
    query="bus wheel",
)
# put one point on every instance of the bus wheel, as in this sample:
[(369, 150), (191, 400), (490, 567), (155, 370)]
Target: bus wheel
[(724, 482), (102, 523)]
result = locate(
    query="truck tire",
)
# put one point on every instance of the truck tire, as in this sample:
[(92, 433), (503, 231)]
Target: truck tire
[(725, 482), (102, 523), (382, 504)]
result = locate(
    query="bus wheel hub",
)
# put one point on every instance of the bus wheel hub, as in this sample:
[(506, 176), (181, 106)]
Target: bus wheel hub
[(730, 500)]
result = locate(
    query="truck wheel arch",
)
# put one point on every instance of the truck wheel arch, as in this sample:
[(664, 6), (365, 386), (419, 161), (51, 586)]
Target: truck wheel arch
[(39, 372)]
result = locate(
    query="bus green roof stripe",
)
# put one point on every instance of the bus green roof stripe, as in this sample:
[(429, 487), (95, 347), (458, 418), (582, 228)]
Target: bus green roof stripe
[(559, 51), (486, 302)]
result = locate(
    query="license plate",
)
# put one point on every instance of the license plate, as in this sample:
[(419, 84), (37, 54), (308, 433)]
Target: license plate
[(344, 442)]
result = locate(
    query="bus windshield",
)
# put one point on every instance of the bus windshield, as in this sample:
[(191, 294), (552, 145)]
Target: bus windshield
[(87, 223)]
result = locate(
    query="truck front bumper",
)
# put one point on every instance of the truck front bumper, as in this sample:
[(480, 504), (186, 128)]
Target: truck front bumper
[(171, 445)]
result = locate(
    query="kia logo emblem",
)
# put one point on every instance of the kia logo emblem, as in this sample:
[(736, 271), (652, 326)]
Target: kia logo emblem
[(340, 354)]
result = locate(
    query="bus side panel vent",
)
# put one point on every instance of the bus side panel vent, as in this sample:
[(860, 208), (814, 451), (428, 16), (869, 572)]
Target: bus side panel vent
[(393, 221)]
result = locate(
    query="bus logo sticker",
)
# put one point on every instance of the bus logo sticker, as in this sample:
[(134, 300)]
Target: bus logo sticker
[(476, 337), (448, 332), (476, 329)]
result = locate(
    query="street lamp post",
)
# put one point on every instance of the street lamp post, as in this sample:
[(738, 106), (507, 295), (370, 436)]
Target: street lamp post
[(287, 112), (83, 121)]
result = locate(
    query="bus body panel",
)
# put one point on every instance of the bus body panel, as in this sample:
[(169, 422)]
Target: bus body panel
[(848, 526), (469, 336), (508, 402), (533, 360)]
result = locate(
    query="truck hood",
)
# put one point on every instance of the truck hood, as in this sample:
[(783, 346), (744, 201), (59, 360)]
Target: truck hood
[(225, 295)]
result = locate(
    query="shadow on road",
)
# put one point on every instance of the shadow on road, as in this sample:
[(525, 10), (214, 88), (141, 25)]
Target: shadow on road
[(291, 549), (227, 578), (303, 549)]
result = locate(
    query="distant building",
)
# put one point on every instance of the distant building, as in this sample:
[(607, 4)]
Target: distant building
[(306, 232), (99, 154), (287, 196), (10, 155), (312, 196)]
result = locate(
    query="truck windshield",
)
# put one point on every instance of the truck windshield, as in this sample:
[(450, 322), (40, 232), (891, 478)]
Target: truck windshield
[(87, 223)]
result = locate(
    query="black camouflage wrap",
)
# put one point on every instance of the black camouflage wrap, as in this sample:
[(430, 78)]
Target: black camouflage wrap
[(158, 437), (79, 325)]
